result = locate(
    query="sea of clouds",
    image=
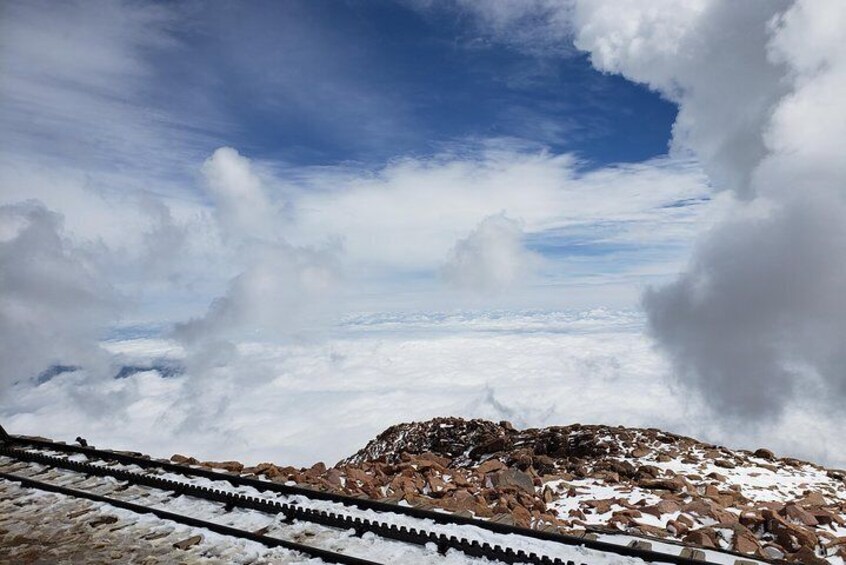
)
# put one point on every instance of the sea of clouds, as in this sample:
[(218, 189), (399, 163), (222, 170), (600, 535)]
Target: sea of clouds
[(291, 310), (297, 403)]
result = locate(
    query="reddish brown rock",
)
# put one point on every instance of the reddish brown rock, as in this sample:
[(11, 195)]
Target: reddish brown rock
[(183, 460), (788, 536), (744, 541), (315, 470), (796, 514), (677, 528), (806, 556), (231, 466), (673, 485), (513, 478), (640, 452), (812, 499), (703, 537), (489, 466)]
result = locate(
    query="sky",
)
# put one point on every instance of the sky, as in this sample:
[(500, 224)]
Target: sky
[(269, 230)]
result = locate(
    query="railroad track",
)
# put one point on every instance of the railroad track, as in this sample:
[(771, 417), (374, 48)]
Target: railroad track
[(29, 458)]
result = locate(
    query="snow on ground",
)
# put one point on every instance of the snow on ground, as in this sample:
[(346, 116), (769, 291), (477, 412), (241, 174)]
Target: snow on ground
[(587, 490), (368, 546)]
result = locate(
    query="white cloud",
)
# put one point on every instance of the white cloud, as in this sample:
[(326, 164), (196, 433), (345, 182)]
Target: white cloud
[(280, 292), (710, 57), (296, 403), (755, 324), (492, 257), (78, 88), (55, 305), (241, 205), (537, 27), (426, 205)]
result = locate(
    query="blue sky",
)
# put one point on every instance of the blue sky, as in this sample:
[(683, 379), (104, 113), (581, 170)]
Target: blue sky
[(319, 83), (182, 147), (235, 182), (316, 83)]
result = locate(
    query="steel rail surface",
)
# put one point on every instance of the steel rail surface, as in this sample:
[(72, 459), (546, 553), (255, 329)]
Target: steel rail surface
[(323, 554), (365, 504), (294, 512)]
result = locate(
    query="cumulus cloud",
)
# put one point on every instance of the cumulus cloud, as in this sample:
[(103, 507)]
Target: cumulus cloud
[(163, 242), (240, 203), (279, 292), (281, 286), (757, 319), (709, 57), (54, 302), (754, 322), (760, 305), (492, 257)]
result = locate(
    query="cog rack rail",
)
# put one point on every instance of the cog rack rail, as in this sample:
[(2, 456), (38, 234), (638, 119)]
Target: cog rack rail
[(10, 447), (329, 556)]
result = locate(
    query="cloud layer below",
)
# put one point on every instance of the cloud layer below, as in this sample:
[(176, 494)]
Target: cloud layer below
[(119, 215), (308, 401)]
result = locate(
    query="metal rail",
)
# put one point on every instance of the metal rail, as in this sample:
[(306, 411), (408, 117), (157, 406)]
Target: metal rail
[(293, 512), (326, 555), (365, 504)]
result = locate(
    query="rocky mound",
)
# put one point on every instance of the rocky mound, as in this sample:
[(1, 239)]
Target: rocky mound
[(598, 479)]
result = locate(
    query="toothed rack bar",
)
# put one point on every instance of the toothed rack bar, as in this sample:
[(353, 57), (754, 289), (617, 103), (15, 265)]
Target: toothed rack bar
[(325, 555), (292, 512)]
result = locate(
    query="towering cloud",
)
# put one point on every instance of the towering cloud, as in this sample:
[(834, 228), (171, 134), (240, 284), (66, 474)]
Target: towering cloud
[(280, 286), (761, 307), (757, 318), (54, 305), (491, 257), (242, 207)]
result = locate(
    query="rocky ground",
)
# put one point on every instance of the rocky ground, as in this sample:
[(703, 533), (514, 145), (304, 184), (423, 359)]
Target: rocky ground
[(596, 478)]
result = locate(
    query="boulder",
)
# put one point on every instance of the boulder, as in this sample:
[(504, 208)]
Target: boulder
[(806, 556), (188, 542), (673, 485), (640, 451), (668, 506), (744, 541), (764, 454), (788, 536), (333, 477), (183, 460), (703, 537), (491, 445), (812, 499), (513, 478), (231, 466), (796, 514), (677, 528), (489, 466), (315, 470), (543, 463)]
